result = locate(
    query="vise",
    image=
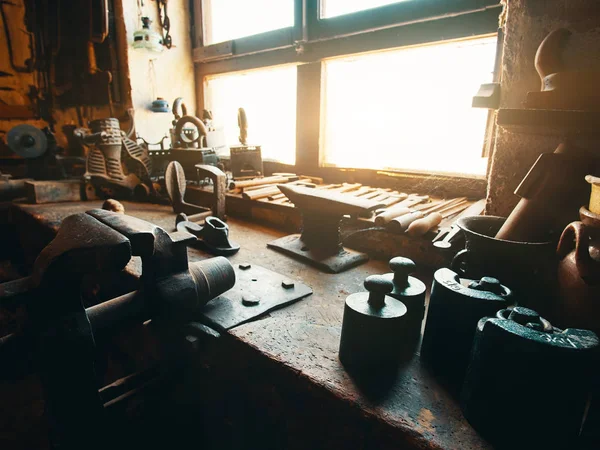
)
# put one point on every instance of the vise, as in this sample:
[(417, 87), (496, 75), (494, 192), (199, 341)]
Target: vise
[(60, 331), (528, 384)]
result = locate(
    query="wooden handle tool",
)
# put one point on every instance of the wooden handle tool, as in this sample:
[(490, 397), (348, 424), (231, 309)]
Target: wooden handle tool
[(421, 226), (399, 209), (401, 224)]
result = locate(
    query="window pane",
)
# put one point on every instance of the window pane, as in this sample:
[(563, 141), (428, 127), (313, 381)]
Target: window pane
[(269, 99), (334, 8), (225, 20), (408, 109)]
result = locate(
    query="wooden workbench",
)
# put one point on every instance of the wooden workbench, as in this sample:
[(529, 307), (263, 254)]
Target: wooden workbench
[(277, 382)]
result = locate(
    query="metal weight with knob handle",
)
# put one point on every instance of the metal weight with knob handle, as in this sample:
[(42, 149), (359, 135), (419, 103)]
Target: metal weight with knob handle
[(374, 327), (410, 291)]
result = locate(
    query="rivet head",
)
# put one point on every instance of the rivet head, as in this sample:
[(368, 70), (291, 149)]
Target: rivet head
[(245, 266), (287, 284), (250, 300)]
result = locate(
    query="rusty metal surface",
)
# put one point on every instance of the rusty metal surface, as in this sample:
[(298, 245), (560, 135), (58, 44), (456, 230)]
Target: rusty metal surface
[(257, 291), (300, 343)]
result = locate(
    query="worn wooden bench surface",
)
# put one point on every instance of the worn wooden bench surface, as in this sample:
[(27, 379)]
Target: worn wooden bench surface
[(299, 345)]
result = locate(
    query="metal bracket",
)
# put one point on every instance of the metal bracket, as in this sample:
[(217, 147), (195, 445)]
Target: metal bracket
[(257, 291)]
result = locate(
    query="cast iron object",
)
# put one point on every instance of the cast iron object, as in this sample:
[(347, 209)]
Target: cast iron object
[(410, 291), (187, 145), (62, 330), (257, 291), (115, 164), (528, 384), (175, 184), (320, 244), (246, 160), (213, 236), (374, 328), (454, 311), (528, 268)]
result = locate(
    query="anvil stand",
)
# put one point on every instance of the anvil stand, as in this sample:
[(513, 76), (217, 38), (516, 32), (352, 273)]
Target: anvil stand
[(319, 244)]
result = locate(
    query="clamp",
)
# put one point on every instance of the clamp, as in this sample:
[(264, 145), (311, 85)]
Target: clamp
[(61, 330)]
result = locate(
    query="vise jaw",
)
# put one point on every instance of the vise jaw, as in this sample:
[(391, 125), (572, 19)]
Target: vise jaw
[(59, 327)]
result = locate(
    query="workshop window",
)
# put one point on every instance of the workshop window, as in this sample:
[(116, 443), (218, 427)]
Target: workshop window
[(269, 98), (341, 85), (408, 109), (232, 19), (334, 8)]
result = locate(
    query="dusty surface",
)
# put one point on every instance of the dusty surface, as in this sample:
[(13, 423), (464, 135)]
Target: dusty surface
[(298, 347)]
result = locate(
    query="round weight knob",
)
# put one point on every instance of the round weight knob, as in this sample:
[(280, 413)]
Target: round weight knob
[(488, 284), (402, 268), (378, 286), (524, 316)]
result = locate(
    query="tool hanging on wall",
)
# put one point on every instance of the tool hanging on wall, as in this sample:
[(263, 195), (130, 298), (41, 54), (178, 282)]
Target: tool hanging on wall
[(116, 166), (320, 244), (165, 23), (147, 39), (26, 53), (246, 160)]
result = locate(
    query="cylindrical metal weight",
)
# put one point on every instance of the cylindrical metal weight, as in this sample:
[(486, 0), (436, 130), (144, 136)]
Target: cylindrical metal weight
[(454, 311), (525, 373), (410, 291), (374, 326)]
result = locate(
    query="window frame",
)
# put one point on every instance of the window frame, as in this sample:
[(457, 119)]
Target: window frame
[(311, 41)]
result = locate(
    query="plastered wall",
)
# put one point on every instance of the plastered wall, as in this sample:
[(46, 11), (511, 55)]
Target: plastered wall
[(143, 76), (169, 74), (527, 24)]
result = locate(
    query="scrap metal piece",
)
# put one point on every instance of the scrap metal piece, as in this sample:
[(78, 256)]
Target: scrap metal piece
[(228, 311)]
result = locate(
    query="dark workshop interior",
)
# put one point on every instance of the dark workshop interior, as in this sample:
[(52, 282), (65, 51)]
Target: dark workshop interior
[(300, 224)]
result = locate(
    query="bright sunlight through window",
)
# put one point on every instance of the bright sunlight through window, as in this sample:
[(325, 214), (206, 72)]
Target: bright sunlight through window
[(334, 8), (232, 19), (269, 98), (408, 109)]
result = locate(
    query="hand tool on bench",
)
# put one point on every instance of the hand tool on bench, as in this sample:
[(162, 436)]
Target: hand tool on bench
[(422, 226), (61, 333), (401, 208), (260, 182), (319, 244), (401, 223), (451, 233), (175, 184), (213, 236)]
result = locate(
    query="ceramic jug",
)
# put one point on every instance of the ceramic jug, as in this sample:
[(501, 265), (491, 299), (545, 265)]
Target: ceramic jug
[(578, 305)]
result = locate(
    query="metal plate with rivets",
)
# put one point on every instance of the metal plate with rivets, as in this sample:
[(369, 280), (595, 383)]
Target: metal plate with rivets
[(257, 291)]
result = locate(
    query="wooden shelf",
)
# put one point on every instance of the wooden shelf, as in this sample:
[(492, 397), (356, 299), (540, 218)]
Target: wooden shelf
[(550, 122)]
